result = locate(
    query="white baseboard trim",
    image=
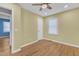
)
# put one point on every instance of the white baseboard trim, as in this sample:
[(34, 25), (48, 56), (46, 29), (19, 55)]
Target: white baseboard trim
[(29, 43), (68, 44), (16, 50)]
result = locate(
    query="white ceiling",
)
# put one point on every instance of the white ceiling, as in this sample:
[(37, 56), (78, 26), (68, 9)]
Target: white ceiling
[(56, 8)]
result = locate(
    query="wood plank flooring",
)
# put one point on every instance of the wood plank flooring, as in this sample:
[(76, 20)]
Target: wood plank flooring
[(40, 48), (48, 48), (4, 47)]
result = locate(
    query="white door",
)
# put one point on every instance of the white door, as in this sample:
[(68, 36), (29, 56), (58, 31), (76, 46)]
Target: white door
[(40, 28)]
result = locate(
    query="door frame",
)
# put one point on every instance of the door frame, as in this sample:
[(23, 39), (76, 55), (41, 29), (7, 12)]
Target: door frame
[(11, 40)]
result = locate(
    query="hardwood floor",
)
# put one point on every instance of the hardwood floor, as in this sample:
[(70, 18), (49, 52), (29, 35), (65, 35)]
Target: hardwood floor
[(40, 48), (4, 47), (48, 48)]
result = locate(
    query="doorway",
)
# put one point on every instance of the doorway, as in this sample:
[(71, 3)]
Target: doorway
[(5, 31), (40, 28)]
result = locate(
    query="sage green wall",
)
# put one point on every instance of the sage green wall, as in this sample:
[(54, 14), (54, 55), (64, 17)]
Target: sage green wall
[(68, 27), (29, 21)]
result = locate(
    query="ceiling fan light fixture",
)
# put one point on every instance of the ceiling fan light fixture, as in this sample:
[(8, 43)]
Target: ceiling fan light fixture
[(44, 6)]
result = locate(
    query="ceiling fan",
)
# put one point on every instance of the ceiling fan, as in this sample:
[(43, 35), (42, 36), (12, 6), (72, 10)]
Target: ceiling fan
[(43, 6)]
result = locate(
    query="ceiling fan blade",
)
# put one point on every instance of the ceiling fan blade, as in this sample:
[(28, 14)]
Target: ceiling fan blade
[(49, 7), (40, 9), (37, 4)]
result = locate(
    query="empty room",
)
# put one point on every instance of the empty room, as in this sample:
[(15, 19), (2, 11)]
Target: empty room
[(39, 29)]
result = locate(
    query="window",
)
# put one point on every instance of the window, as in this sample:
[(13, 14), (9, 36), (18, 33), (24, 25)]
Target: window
[(53, 26), (6, 26)]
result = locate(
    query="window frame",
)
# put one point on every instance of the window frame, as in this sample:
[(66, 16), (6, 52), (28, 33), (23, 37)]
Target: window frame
[(56, 28)]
